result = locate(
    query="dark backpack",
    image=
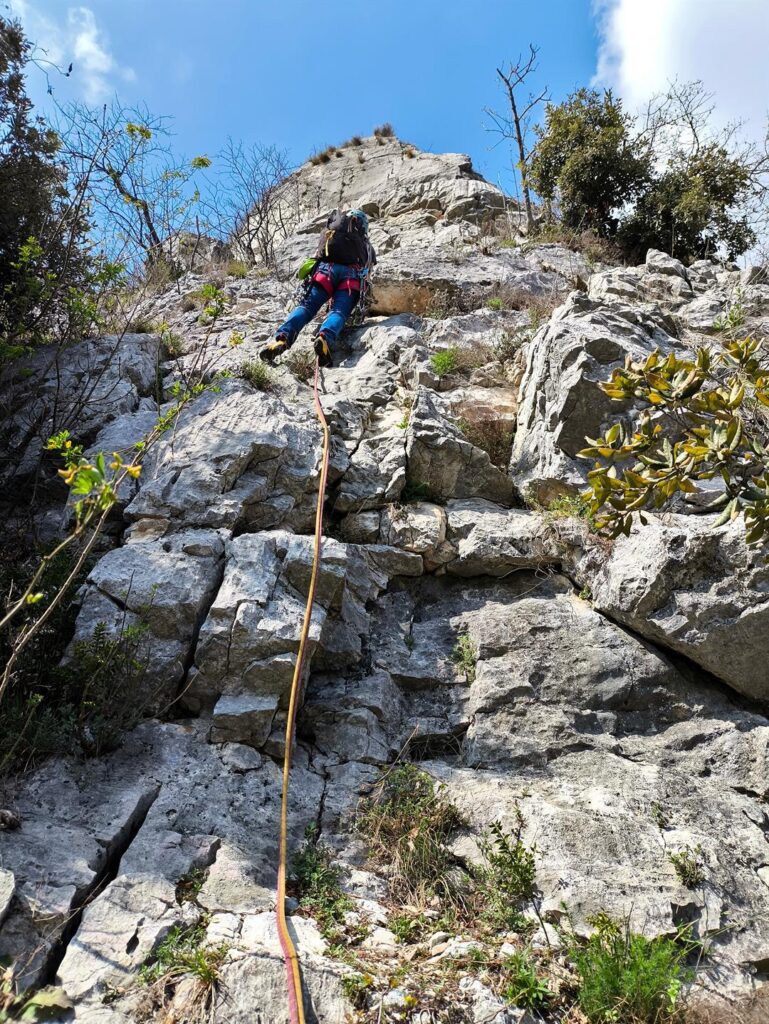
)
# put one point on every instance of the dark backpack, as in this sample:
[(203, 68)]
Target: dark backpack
[(344, 240)]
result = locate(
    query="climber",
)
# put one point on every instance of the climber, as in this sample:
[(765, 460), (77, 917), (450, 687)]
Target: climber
[(338, 274)]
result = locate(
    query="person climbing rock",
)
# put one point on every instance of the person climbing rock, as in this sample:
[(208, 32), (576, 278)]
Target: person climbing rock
[(338, 274)]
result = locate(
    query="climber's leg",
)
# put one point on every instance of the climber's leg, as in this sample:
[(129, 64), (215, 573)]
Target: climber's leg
[(342, 305), (302, 315)]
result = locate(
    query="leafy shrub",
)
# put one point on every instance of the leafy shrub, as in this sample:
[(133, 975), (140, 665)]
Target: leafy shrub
[(258, 374), (522, 986), (686, 194), (495, 302), (710, 404), (509, 872), (407, 822), (690, 209), (627, 977)]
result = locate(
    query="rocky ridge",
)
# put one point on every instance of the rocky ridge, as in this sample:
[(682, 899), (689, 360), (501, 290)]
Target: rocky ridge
[(609, 679)]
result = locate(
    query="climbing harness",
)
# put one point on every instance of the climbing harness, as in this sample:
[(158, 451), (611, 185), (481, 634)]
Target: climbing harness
[(295, 997)]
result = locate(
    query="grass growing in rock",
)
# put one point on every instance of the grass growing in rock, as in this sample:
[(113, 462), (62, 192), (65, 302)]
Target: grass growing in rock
[(180, 956), (464, 656), (444, 363), (689, 866), (495, 437), (317, 884), (627, 977), (257, 374), (300, 362), (406, 823)]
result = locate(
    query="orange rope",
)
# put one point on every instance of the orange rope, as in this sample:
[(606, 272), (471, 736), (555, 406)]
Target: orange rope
[(295, 998)]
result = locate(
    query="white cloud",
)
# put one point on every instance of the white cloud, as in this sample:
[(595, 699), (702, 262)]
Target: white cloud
[(647, 43), (75, 38)]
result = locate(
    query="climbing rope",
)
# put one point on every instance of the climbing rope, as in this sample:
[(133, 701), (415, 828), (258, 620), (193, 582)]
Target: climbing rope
[(295, 998)]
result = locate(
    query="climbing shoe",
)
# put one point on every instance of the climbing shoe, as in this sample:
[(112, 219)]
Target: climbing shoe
[(275, 348), (322, 351)]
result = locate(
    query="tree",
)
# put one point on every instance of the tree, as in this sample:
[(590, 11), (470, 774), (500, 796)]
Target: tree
[(517, 126), (586, 161), (668, 180), (692, 209), (41, 228), (251, 203), (140, 193)]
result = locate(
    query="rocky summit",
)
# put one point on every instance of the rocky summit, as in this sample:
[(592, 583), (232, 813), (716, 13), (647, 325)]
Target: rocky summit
[(604, 701)]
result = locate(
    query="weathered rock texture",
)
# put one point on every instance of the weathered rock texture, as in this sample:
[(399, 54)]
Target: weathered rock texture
[(616, 696)]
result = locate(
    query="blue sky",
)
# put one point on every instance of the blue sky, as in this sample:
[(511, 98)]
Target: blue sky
[(303, 75)]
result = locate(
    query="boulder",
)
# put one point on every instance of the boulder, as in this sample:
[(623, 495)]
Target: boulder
[(561, 402), (691, 589)]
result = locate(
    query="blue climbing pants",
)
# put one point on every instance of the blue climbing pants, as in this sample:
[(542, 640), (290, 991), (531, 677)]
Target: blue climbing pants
[(337, 280)]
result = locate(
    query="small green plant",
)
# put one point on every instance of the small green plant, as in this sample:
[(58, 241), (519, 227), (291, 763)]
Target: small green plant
[(629, 978), (407, 822), (182, 953), (494, 303), (404, 422), (523, 987), (258, 374), (356, 987), (237, 268), (508, 876), (689, 866), (733, 318), (659, 815), (508, 243), (445, 362), (407, 927), (586, 594), (565, 506), (189, 885), (408, 640), (173, 346), (236, 339), (300, 362), (318, 885), (464, 656)]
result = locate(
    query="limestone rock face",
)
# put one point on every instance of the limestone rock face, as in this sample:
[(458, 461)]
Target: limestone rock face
[(613, 695), (692, 589), (561, 402)]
